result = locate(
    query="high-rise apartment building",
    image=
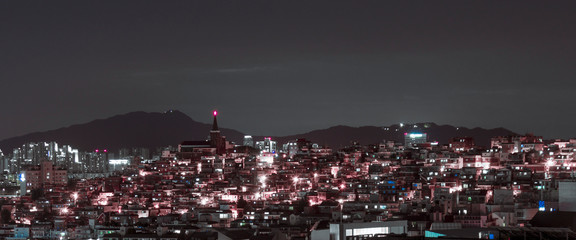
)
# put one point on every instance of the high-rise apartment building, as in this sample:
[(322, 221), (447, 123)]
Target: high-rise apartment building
[(267, 145), (46, 173)]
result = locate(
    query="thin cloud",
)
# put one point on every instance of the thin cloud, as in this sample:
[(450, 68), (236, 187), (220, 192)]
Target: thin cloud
[(247, 69)]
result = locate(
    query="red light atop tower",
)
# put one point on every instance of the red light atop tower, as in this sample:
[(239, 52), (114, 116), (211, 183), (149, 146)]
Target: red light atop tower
[(215, 113)]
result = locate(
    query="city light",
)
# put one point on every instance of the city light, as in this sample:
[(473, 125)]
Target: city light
[(425, 120), (206, 185)]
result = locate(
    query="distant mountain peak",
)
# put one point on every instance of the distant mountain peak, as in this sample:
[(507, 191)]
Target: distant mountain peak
[(133, 129)]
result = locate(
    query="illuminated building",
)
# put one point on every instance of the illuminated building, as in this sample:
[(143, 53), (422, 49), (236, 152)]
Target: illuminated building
[(267, 145), (118, 164), (461, 144), (361, 230), (44, 174), (514, 144), (411, 139), (3, 162), (299, 146), (266, 158), (206, 164), (35, 153), (95, 162)]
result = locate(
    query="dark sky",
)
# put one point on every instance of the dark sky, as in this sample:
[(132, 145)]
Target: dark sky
[(284, 67)]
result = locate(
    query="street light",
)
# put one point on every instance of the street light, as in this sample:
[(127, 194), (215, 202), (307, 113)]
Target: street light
[(75, 196)]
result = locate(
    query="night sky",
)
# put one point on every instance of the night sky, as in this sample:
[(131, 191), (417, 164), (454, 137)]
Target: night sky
[(286, 67)]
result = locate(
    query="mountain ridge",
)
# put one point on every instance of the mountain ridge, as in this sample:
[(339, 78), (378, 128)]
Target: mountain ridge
[(154, 129), (133, 129), (441, 133)]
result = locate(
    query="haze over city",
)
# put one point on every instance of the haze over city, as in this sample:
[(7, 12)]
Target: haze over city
[(285, 67)]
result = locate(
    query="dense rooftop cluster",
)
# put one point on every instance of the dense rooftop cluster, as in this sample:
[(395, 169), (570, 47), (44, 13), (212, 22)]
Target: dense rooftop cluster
[(214, 189)]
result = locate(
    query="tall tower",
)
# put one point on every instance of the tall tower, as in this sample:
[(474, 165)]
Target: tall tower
[(215, 123), (216, 140)]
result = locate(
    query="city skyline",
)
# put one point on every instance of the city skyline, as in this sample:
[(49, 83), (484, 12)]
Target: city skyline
[(269, 65), (167, 128), (213, 189)]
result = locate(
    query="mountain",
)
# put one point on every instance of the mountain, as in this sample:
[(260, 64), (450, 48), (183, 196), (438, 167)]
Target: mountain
[(340, 136), (152, 130), (136, 129)]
